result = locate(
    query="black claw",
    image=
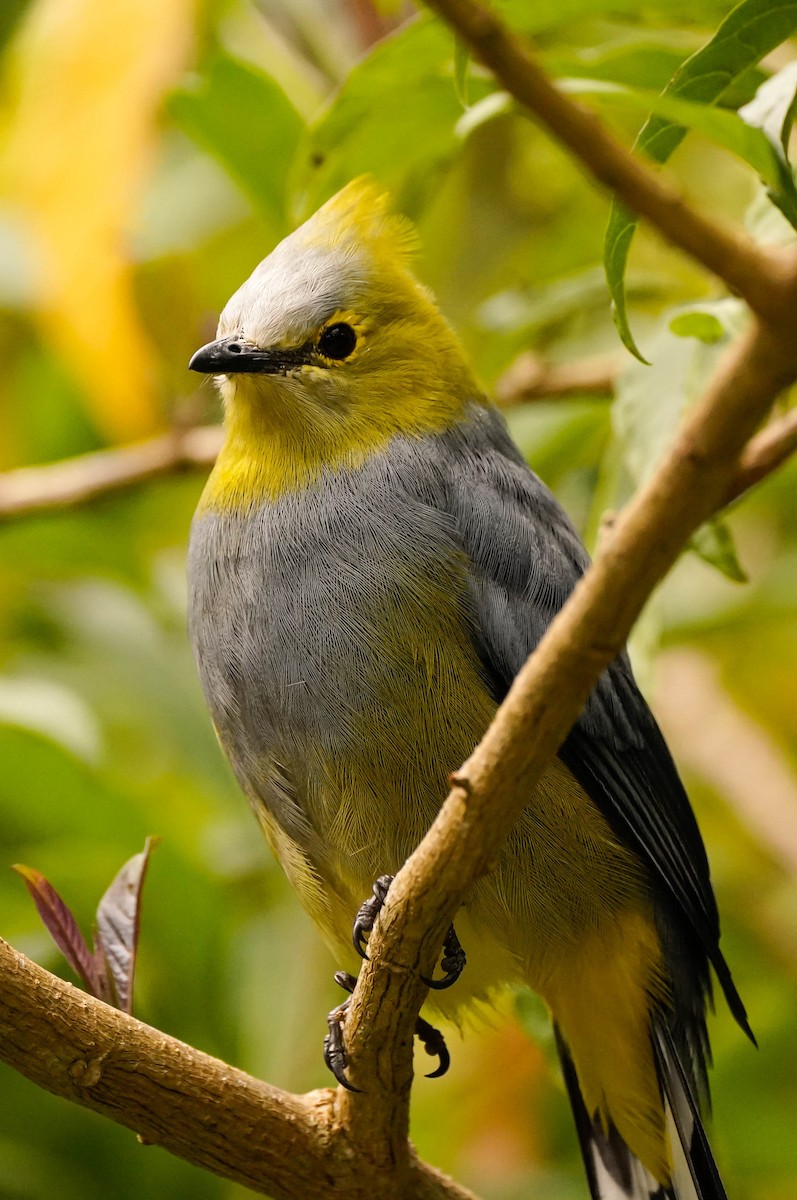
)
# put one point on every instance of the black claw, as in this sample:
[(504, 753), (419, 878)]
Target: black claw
[(434, 1044), (346, 981), (453, 963), (334, 1047), (368, 912)]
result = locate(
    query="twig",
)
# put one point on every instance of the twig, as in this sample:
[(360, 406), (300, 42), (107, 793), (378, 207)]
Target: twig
[(533, 378), (767, 451), (73, 481), (193, 1105), (749, 270)]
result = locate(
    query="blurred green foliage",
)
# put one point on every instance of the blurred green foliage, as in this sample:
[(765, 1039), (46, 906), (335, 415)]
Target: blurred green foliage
[(259, 112)]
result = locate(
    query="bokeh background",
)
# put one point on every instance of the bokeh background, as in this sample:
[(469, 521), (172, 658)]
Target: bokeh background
[(152, 152)]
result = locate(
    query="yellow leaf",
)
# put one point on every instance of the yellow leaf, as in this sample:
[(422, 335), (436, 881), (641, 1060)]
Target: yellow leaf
[(89, 77)]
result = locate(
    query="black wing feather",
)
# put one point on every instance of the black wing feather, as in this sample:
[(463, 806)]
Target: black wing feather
[(525, 559)]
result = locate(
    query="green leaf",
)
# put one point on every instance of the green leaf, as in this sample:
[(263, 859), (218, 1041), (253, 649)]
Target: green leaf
[(713, 542), (396, 114), (483, 111), (701, 325), (394, 117), (765, 222), (245, 120), (642, 64), (726, 129), (617, 244), (772, 110), (751, 30), (52, 709), (649, 403), (638, 65)]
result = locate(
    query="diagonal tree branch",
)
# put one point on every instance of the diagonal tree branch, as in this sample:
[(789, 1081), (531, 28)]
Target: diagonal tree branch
[(490, 790), (767, 451), (748, 269)]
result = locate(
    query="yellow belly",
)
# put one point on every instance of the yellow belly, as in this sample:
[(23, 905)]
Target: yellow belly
[(565, 911)]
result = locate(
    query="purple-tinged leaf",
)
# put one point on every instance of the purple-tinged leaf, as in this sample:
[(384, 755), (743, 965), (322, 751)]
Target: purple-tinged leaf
[(118, 923), (63, 929)]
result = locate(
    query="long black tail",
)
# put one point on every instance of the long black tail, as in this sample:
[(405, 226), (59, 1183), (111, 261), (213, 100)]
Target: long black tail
[(613, 1171)]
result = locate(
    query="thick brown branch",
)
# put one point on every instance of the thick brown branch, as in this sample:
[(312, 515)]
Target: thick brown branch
[(176, 1097), (748, 270), (76, 480)]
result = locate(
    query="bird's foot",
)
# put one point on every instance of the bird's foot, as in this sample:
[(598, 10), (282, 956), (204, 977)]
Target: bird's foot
[(335, 1047), (453, 962), (454, 959), (434, 1044), (367, 913)]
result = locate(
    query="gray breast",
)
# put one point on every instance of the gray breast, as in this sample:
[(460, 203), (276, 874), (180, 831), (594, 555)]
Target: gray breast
[(293, 606)]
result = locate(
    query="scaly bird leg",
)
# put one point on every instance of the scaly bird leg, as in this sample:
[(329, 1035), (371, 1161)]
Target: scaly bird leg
[(452, 962), (433, 1041), (335, 1048), (454, 959), (367, 913)]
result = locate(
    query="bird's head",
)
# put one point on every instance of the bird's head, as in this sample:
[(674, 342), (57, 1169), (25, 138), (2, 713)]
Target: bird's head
[(332, 347)]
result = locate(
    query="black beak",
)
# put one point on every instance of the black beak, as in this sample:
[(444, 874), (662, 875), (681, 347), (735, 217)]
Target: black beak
[(233, 355)]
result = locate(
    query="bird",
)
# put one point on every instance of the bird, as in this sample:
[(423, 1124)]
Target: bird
[(370, 564)]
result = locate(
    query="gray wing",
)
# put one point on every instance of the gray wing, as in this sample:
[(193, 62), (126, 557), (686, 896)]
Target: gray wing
[(525, 559)]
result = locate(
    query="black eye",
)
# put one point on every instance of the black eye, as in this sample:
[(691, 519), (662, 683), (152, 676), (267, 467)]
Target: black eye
[(337, 341)]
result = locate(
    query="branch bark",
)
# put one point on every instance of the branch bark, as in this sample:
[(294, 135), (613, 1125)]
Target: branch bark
[(767, 451), (356, 1143), (74, 481), (191, 1104)]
